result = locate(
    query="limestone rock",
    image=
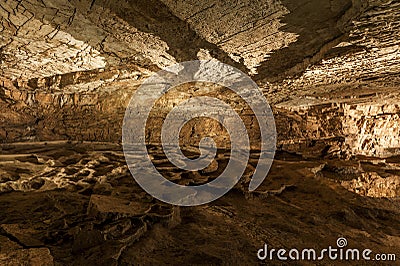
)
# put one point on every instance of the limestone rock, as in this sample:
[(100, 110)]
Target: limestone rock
[(34, 257), (24, 235), (107, 207)]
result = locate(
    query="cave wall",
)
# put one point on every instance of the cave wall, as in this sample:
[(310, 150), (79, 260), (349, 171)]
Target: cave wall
[(69, 68)]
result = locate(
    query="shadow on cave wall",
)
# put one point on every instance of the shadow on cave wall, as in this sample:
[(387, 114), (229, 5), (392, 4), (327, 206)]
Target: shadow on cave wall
[(153, 16), (316, 24), (314, 21)]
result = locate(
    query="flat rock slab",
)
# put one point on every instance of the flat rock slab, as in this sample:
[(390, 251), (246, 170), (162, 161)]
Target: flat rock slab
[(103, 207), (32, 257), (7, 245), (25, 236)]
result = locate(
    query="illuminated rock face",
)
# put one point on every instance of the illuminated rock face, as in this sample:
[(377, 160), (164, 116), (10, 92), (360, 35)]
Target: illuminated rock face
[(330, 70), (366, 122), (69, 67)]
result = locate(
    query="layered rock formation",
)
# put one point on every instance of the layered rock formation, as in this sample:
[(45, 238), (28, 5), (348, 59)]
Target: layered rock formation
[(58, 72), (329, 69), (365, 121)]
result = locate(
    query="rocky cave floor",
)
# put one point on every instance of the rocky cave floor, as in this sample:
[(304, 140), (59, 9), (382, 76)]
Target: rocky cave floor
[(74, 203)]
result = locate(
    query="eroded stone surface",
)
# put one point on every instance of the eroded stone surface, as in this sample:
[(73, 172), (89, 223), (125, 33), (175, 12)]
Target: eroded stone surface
[(365, 121), (34, 257), (113, 221), (330, 70), (66, 67)]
